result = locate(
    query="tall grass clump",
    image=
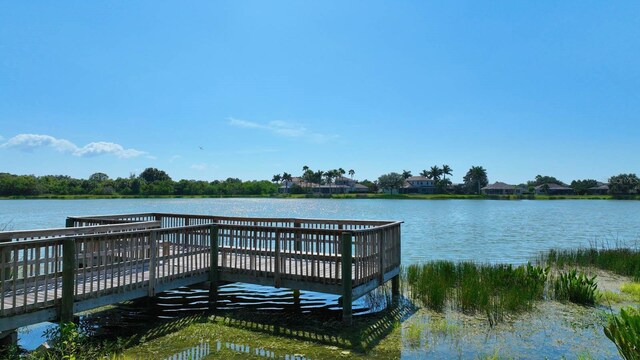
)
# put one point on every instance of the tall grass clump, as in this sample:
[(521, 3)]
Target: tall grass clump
[(624, 331), (491, 289), (576, 287), (622, 261)]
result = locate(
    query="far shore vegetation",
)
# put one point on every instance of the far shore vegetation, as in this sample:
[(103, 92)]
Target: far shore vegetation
[(153, 182)]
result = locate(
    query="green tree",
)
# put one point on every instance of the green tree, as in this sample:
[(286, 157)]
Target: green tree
[(624, 184), (287, 178), (98, 177), (373, 186), (582, 187), (475, 179), (351, 173), (435, 173), (151, 175), (276, 179), (541, 180), (446, 170), (406, 174), (391, 181)]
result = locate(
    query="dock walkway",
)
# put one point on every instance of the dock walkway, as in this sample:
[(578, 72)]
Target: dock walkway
[(48, 275)]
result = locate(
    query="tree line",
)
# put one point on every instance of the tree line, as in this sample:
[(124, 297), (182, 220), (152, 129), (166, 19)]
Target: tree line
[(153, 181), (476, 178), (150, 182)]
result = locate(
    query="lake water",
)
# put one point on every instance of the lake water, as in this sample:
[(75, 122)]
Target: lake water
[(478, 230)]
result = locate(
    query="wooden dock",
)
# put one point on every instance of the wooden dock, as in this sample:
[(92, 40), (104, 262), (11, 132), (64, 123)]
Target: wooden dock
[(48, 275)]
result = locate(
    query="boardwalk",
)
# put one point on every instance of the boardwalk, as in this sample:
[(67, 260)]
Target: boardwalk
[(51, 274)]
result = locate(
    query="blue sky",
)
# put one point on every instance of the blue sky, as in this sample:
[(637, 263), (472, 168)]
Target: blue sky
[(210, 90)]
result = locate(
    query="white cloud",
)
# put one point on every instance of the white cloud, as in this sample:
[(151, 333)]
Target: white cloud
[(28, 142), (199, 167), (283, 128)]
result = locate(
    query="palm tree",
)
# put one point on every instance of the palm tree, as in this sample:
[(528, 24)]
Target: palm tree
[(329, 176), (406, 174), (476, 177), (446, 170), (276, 178), (435, 173), (286, 177), (425, 173), (351, 173)]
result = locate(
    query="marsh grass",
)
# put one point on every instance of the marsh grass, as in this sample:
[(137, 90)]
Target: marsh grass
[(493, 290), (632, 289), (621, 260)]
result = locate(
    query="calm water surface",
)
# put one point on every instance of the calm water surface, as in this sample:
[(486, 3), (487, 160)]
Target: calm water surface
[(482, 231), (479, 230)]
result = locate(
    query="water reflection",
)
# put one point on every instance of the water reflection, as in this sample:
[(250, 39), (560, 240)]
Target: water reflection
[(195, 353), (203, 349)]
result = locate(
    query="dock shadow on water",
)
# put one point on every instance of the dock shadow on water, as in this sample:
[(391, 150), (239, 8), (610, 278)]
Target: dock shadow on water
[(260, 310)]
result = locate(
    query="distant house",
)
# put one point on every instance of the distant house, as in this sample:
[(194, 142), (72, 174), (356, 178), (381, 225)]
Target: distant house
[(554, 189), (500, 188), (341, 185), (418, 185), (601, 189)]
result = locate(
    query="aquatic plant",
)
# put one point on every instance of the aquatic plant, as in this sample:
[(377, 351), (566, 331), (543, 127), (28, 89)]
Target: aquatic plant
[(576, 287), (624, 331), (620, 260), (491, 289)]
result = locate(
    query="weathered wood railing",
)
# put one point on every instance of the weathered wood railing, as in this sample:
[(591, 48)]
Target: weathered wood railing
[(51, 274)]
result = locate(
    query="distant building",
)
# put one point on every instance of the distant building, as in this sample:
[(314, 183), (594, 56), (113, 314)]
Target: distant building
[(601, 189), (341, 185), (418, 185), (500, 188), (554, 189)]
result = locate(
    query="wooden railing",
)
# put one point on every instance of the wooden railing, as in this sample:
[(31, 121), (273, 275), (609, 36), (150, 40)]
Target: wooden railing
[(100, 257), (316, 243), (31, 263)]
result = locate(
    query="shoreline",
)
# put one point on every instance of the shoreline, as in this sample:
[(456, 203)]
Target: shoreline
[(334, 196)]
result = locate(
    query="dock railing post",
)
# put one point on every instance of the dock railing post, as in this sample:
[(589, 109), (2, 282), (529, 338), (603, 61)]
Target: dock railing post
[(68, 279), (347, 290), (277, 264), (153, 261), (69, 222), (214, 276)]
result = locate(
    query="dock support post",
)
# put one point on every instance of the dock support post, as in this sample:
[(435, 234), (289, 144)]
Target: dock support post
[(213, 271), (296, 298), (68, 275), (68, 222), (347, 290), (395, 285)]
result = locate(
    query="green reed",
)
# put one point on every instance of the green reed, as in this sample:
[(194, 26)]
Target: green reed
[(621, 260), (494, 290)]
